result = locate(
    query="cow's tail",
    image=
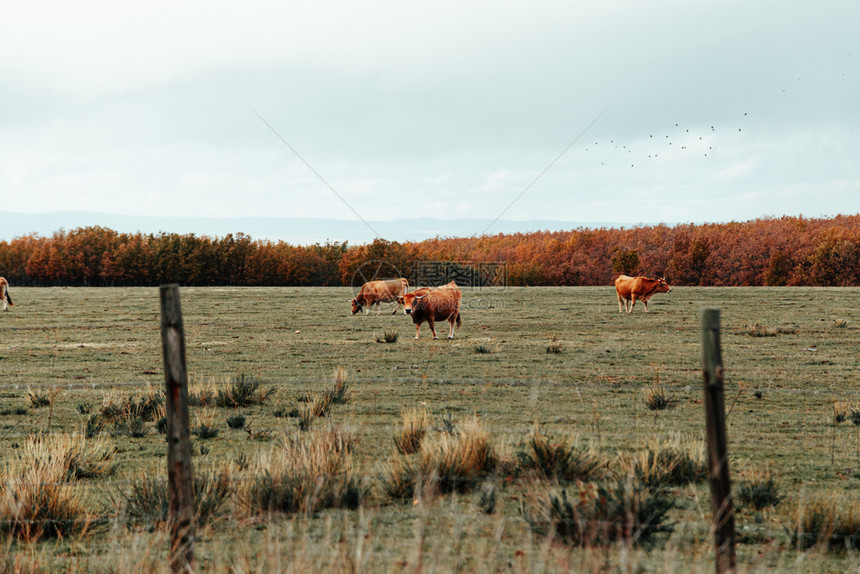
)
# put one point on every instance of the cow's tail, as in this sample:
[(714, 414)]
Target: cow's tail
[(458, 320)]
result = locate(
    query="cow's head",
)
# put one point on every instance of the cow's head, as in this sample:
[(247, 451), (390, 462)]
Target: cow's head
[(413, 300), (662, 286), (356, 306), (409, 301)]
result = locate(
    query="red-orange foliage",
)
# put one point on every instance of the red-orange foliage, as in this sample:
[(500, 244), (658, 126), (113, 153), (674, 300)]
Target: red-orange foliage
[(770, 251)]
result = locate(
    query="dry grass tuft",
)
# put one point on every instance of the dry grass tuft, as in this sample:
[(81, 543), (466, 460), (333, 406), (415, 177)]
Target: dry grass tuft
[(206, 426), (656, 398), (80, 457), (456, 462), (756, 330), (40, 397), (446, 462), (202, 393), (415, 423), (314, 407), (37, 499), (398, 478), (671, 461), (339, 394), (388, 336), (841, 410), (831, 522), (303, 474)]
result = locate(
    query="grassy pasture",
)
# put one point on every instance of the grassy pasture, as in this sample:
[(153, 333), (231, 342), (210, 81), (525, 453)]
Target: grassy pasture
[(790, 353)]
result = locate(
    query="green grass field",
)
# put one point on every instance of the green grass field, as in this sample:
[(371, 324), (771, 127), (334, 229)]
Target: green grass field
[(790, 355)]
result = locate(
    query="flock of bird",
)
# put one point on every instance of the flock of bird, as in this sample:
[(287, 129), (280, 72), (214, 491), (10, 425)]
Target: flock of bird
[(680, 139)]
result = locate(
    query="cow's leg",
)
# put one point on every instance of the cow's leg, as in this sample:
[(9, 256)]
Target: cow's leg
[(451, 321), (417, 331), (632, 303), (645, 302), (432, 327), (621, 302)]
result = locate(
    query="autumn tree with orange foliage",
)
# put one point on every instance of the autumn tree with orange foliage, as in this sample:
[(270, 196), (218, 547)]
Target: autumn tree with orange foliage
[(770, 251)]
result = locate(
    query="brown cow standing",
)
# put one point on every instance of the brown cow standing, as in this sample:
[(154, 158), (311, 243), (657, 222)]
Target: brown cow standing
[(376, 292), (631, 289), (4, 294), (431, 305)]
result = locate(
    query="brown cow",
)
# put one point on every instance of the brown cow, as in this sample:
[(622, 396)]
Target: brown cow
[(4, 294), (431, 305), (376, 292), (631, 289)]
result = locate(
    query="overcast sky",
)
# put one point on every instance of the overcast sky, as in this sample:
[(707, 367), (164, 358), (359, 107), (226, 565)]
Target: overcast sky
[(621, 111)]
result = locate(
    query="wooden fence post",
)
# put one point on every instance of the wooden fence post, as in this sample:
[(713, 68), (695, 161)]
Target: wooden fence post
[(718, 463), (179, 475)]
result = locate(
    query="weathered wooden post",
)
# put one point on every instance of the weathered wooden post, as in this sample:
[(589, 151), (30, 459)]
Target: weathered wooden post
[(718, 463), (179, 474)]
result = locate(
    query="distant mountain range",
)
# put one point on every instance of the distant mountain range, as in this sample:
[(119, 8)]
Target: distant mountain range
[(297, 231)]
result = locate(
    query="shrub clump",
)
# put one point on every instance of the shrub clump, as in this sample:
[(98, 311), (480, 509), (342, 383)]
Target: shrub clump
[(236, 422), (133, 427), (242, 392), (130, 415), (602, 514), (146, 502), (757, 490), (566, 461), (146, 408)]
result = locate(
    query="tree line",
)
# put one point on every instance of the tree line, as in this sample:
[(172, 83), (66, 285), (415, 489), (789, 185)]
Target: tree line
[(768, 251)]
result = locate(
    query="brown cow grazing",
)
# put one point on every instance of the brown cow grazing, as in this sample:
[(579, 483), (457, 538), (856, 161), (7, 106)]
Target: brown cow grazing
[(631, 289), (431, 305), (376, 292), (4, 294)]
